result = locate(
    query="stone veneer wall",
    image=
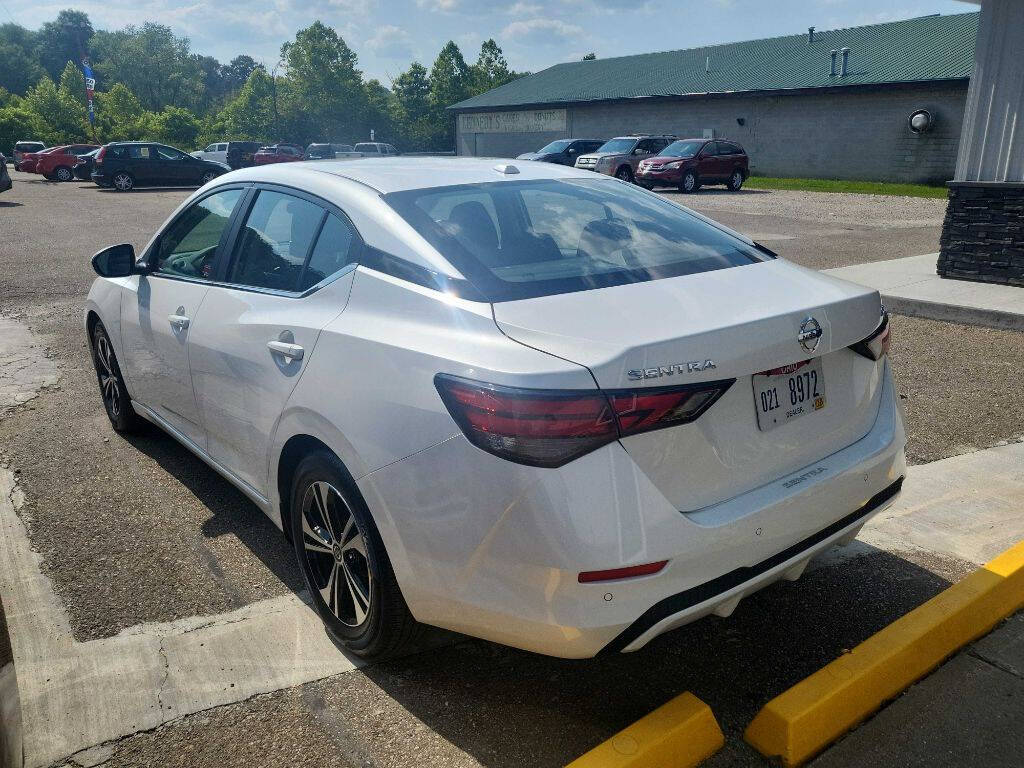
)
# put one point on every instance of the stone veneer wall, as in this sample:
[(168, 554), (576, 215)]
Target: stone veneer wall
[(983, 233)]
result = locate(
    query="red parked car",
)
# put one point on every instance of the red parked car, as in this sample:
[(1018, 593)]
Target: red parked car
[(279, 153), (58, 163), (27, 164), (690, 163)]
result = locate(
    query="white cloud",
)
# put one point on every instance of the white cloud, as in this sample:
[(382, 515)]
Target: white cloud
[(446, 6), (524, 9), (542, 31), (391, 42)]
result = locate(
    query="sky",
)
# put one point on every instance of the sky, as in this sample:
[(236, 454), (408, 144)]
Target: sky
[(388, 35)]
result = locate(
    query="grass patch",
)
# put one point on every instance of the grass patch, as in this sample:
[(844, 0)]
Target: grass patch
[(859, 187)]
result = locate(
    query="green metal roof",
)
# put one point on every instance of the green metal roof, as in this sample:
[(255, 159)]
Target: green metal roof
[(914, 50)]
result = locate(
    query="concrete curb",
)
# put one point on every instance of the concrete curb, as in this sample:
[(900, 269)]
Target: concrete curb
[(955, 313), (679, 734), (801, 722)]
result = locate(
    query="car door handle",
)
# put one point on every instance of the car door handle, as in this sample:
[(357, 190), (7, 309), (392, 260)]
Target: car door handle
[(286, 350), (179, 322)]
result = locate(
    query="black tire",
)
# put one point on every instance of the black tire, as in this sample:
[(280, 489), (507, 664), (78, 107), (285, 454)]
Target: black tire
[(367, 614), (624, 173), (735, 181), (63, 173), (123, 182), (690, 182), (116, 400), (207, 177)]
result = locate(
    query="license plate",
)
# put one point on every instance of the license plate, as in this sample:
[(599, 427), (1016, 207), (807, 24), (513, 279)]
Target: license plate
[(787, 393)]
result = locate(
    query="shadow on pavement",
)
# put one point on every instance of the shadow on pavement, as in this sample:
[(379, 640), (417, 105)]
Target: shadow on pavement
[(510, 708), (6, 204), (232, 512)]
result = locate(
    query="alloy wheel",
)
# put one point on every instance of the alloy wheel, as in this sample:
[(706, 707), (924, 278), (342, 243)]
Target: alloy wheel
[(736, 181), (207, 178), (624, 174), (123, 182), (689, 182), (109, 382), (64, 174), (335, 551)]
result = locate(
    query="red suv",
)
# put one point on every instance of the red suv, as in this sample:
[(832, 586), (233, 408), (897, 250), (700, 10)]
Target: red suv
[(689, 163), (279, 153), (59, 162)]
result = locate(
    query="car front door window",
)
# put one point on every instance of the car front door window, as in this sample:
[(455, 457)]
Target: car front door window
[(189, 246)]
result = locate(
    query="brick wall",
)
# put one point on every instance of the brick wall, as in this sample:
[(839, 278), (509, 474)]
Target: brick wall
[(983, 233), (852, 135)]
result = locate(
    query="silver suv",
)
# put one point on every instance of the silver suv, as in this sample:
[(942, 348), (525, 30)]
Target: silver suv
[(619, 157)]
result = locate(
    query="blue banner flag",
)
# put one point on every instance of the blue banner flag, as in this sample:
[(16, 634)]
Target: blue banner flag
[(90, 88)]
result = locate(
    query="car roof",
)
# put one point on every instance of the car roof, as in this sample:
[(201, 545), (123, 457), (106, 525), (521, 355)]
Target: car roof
[(401, 173)]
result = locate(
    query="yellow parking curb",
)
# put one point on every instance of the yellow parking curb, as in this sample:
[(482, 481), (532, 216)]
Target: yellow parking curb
[(678, 734), (801, 722)]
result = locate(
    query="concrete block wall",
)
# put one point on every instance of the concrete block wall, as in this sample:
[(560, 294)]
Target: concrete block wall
[(852, 135)]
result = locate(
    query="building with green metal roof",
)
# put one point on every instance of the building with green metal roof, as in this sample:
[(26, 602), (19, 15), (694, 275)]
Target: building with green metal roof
[(825, 104)]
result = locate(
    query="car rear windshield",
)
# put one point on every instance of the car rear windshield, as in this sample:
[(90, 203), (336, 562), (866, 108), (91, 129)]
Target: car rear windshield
[(682, 149), (521, 239), (28, 146)]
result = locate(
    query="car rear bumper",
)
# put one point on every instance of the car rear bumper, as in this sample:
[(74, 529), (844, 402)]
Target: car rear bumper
[(494, 549), (100, 179)]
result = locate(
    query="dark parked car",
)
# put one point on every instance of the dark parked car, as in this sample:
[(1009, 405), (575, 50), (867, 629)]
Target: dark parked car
[(563, 151), (125, 165), (240, 153), (320, 152), (5, 177), (690, 163), (83, 168)]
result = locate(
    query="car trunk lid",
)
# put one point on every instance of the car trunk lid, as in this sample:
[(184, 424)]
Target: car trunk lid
[(718, 325)]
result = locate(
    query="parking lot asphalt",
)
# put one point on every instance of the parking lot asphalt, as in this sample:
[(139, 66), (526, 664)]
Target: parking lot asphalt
[(139, 530)]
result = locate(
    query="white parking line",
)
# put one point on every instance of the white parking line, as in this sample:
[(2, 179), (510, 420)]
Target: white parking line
[(77, 695)]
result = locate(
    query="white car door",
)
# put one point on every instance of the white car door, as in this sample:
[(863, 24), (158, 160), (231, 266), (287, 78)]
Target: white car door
[(158, 310), (288, 276)]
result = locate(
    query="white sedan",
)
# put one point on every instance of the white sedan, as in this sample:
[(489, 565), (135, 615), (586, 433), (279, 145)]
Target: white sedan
[(527, 403)]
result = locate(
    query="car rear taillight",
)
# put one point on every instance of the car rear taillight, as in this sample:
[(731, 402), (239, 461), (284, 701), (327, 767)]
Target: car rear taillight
[(549, 428), (99, 156), (875, 346)]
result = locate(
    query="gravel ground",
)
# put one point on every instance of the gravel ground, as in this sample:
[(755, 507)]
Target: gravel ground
[(960, 386), (475, 703)]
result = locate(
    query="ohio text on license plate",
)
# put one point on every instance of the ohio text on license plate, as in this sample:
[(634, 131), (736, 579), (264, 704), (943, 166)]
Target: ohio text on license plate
[(787, 393)]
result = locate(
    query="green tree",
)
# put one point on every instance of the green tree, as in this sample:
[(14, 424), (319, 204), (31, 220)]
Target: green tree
[(451, 81), (18, 123), (64, 39), (323, 92), (380, 112), (19, 65), (411, 107), (491, 69), (236, 73), (252, 114), (72, 85), (590, 56), (61, 116), (118, 112), (156, 65), (175, 126)]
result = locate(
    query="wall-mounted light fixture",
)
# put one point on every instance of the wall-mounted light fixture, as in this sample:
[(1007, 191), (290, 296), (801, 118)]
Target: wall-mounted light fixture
[(920, 121)]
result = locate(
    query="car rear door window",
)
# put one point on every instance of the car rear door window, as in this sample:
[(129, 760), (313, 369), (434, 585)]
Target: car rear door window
[(274, 242), (188, 247), (334, 250), (140, 152)]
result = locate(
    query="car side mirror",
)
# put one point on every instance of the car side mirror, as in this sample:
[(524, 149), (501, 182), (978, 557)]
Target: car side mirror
[(572, 151), (115, 261)]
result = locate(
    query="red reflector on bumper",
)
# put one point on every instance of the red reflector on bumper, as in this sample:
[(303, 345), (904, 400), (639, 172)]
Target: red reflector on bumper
[(629, 572)]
